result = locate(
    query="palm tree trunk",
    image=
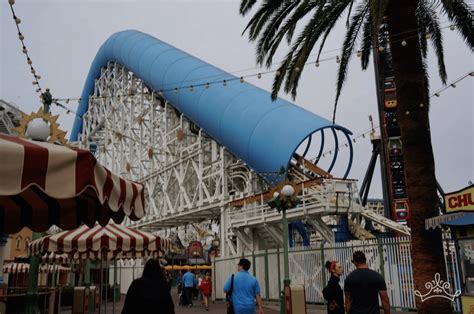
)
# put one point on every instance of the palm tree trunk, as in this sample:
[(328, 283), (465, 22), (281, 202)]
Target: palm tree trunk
[(413, 118)]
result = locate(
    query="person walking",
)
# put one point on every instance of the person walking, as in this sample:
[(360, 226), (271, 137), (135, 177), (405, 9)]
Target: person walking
[(149, 293), (188, 281), (363, 287), (244, 289), (333, 292), (206, 290)]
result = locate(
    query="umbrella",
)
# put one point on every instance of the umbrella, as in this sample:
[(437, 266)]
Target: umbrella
[(50, 184), (101, 242), (45, 184)]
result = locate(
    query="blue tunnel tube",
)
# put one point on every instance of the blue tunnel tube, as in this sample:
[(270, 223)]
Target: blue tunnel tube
[(242, 117)]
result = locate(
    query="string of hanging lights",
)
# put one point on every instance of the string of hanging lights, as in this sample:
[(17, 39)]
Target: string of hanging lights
[(21, 37), (224, 81), (396, 38), (378, 127)]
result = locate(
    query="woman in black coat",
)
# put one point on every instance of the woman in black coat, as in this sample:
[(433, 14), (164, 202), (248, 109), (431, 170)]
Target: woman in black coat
[(149, 294), (333, 292)]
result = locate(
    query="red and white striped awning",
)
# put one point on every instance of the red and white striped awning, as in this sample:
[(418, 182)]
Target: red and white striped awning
[(51, 258), (44, 184), (108, 242), (14, 268), (53, 268)]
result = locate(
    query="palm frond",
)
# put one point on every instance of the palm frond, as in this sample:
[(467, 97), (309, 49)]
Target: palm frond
[(271, 29), (367, 42), (323, 19), (460, 15), (348, 48), (282, 70), (262, 17), (428, 19), (246, 6), (287, 28), (349, 13)]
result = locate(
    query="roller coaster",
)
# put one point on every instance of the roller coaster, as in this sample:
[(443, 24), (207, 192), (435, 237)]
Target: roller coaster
[(209, 146)]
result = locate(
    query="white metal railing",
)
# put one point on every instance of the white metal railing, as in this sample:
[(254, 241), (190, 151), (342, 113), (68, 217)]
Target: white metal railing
[(391, 257), (332, 196)]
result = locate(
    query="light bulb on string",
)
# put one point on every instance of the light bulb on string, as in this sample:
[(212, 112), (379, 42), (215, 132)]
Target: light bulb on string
[(381, 49), (404, 43), (25, 50), (338, 60), (11, 2), (259, 75), (206, 85), (224, 82), (428, 36), (20, 36), (17, 20), (242, 79), (316, 64), (277, 73), (191, 88), (359, 54), (176, 90), (453, 85), (29, 61), (452, 27)]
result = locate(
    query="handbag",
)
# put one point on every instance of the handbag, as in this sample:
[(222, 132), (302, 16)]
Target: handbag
[(230, 306)]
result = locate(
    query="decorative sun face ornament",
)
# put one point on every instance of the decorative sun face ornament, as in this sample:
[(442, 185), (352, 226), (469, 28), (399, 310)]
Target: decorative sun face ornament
[(41, 126)]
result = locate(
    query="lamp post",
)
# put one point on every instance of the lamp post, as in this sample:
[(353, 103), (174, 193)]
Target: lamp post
[(282, 201)]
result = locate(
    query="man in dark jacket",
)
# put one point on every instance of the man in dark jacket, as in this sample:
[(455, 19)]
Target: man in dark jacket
[(362, 289), (149, 294)]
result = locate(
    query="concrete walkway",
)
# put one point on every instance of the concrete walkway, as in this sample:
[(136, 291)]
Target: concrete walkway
[(214, 308)]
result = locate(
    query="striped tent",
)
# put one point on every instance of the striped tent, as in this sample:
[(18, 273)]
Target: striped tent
[(51, 258), (54, 185), (15, 268), (108, 242)]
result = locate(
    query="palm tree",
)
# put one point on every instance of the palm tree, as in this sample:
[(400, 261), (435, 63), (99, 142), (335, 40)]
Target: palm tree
[(408, 25)]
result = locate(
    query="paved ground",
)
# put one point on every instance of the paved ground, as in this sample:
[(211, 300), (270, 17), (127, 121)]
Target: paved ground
[(217, 307)]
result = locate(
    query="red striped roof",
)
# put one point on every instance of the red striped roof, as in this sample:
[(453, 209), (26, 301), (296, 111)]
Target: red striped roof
[(14, 268), (110, 241), (44, 184)]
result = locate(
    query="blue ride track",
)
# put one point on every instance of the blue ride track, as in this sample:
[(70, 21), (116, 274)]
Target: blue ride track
[(242, 117)]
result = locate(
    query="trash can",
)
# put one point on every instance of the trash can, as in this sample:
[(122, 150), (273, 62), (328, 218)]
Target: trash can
[(295, 299)]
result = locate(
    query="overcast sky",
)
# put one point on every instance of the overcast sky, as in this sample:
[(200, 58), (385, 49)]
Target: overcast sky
[(63, 36)]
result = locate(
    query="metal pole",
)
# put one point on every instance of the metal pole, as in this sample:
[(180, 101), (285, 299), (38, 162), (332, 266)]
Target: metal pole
[(286, 263), (32, 292)]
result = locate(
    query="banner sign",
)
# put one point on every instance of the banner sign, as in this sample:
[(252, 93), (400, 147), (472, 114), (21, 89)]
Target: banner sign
[(462, 200)]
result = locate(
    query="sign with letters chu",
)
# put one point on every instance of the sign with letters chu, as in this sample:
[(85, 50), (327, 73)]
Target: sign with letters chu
[(460, 201)]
